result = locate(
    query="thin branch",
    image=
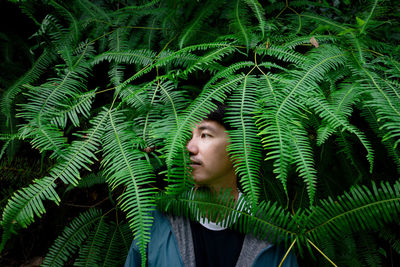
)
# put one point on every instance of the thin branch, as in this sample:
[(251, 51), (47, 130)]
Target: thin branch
[(287, 252), (326, 257)]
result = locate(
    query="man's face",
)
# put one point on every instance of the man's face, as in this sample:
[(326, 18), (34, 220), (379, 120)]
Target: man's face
[(210, 161)]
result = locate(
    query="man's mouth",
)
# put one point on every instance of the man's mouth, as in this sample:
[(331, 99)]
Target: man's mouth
[(195, 163)]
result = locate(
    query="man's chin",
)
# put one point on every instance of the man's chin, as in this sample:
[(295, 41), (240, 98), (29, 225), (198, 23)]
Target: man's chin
[(199, 181)]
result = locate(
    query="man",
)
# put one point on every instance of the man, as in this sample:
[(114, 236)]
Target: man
[(177, 241)]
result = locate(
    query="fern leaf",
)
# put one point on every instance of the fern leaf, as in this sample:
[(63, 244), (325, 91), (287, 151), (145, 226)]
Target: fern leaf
[(305, 40), (69, 16), (198, 20), (227, 72), (87, 181), (125, 166), (384, 100), (341, 100), (80, 105), (95, 11), (259, 13), (245, 148), (125, 237), (359, 209), (209, 59), (366, 21), (80, 153), (72, 237), (303, 157), (141, 57), (239, 21), (39, 67), (282, 53), (90, 251), (267, 221), (116, 245), (26, 203), (326, 112)]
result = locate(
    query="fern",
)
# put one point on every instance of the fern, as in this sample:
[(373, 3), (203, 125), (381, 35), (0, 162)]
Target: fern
[(124, 166), (360, 208), (28, 201), (34, 73), (117, 240), (245, 149), (259, 13), (72, 237), (119, 86), (90, 251), (199, 18), (79, 105)]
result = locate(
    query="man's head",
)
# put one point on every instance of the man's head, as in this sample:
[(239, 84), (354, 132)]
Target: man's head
[(211, 164)]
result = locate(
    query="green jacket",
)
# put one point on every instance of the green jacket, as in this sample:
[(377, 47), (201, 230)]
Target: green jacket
[(171, 244)]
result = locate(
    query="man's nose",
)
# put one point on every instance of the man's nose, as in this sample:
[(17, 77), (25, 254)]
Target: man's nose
[(192, 147)]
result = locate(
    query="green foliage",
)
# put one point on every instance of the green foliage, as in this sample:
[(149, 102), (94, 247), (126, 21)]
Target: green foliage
[(116, 87)]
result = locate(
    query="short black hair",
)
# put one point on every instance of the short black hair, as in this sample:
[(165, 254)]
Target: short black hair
[(218, 115)]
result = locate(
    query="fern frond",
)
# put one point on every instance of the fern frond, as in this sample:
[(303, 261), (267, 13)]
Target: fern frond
[(370, 15), (125, 166), (276, 140), (303, 158), (369, 252), (87, 181), (305, 40), (95, 11), (240, 21), (282, 53), (376, 125), (28, 201), (25, 204), (72, 237), (230, 70), (45, 138), (90, 251), (208, 60), (80, 104), (337, 27), (136, 96), (50, 28), (133, 7), (259, 13), (287, 100), (199, 18), (44, 100), (116, 245), (125, 237), (69, 16), (267, 221), (341, 101), (245, 147), (335, 121), (142, 57), (118, 43), (392, 237), (359, 209), (384, 99), (39, 67)]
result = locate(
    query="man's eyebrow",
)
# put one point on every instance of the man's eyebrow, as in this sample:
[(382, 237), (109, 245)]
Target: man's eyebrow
[(207, 127)]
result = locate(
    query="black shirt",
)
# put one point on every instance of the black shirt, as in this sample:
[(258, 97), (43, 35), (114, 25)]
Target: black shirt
[(216, 248)]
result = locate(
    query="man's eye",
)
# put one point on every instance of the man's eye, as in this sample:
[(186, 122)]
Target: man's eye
[(204, 135)]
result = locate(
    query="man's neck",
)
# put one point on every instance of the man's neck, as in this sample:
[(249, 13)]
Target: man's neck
[(233, 190)]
